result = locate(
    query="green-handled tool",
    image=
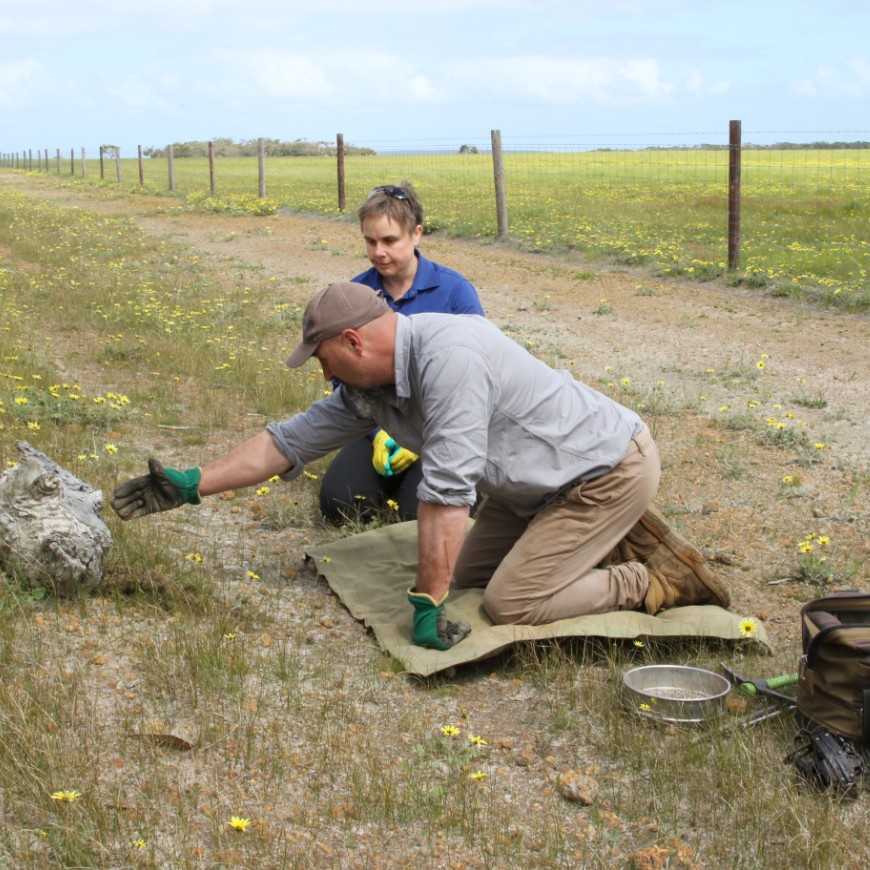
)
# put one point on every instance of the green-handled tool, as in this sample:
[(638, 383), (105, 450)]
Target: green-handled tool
[(763, 687)]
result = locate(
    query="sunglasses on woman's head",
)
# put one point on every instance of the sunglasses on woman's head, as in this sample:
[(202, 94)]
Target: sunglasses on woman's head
[(390, 190)]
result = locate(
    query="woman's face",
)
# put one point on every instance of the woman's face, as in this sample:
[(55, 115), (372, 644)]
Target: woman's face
[(389, 245)]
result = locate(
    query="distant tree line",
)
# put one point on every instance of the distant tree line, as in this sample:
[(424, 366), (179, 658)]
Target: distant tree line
[(248, 148), (749, 146), (809, 146)]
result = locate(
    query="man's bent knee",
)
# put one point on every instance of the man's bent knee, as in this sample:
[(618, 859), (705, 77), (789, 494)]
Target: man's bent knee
[(508, 613)]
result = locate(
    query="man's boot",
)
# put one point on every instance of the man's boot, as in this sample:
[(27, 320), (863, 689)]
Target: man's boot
[(678, 573)]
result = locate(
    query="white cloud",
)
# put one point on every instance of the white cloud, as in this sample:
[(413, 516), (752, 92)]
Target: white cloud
[(564, 81), (284, 76), (861, 69), (423, 91), (330, 79), (136, 93), (695, 85), (24, 81), (383, 79), (851, 81), (644, 74), (20, 79)]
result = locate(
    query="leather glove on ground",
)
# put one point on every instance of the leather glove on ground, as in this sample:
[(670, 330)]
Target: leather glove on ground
[(162, 489), (432, 628), (389, 458)]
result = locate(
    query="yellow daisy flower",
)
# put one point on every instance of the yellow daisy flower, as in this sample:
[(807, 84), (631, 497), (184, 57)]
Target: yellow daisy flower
[(68, 796), (748, 627)]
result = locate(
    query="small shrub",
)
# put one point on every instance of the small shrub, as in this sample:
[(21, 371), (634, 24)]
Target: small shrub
[(603, 307)]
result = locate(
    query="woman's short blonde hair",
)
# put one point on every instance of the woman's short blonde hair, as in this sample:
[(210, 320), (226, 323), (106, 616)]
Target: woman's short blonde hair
[(398, 202)]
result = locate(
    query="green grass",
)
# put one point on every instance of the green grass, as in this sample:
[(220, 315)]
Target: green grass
[(804, 227)]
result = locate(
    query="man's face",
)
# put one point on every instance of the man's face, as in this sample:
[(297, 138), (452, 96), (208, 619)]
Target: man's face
[(389, 245), (339, 360)]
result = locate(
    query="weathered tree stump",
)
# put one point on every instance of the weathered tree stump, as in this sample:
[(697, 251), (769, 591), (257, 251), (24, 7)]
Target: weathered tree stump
[(51, 531)]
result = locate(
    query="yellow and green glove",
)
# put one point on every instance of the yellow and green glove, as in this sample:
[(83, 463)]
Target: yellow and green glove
[(432, 628), (162, 489), (388, 457)]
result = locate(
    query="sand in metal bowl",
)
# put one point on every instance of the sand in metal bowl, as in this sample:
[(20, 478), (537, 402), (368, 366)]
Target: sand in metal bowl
[(675, 693)]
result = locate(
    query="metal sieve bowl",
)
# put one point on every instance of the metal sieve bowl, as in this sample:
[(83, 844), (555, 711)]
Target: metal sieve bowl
[(674, 693)]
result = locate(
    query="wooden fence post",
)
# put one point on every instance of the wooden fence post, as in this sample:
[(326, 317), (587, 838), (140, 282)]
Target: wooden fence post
[(30, 160), (141, 169), (501, 211), (211, 168), (72, 161), (261, 168), (84, 165), (58, 161), (339, 159), (171, 158), (102, 163), (734, 155), (47, 167), (118, 164)]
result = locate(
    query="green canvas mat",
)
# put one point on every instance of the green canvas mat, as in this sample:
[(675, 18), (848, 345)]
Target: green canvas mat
[(371, 572)]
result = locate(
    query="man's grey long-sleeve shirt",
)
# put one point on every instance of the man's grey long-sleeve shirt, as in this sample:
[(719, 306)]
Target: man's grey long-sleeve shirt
[(480, 410)]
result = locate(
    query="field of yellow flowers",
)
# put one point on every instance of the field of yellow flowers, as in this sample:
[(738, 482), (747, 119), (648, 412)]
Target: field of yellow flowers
[(213, 705), (804, 224)]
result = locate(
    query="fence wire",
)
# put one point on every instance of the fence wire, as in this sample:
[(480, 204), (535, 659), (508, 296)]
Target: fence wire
[(804, 212)]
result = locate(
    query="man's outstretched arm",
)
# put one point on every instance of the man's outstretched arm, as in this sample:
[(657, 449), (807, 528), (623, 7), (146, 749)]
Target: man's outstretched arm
[(163, 489), (252, 462)]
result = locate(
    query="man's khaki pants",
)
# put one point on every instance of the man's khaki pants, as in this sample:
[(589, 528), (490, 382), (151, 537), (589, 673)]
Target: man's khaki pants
[(542, 569)]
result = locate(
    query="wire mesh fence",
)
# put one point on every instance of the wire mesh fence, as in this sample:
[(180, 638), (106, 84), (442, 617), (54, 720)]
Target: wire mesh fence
[(804, 211)]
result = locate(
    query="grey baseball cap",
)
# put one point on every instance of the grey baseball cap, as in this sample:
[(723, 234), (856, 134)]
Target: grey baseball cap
[(339, 306)]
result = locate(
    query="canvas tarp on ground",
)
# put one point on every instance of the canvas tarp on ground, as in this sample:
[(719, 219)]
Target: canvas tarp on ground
[(371, 572)]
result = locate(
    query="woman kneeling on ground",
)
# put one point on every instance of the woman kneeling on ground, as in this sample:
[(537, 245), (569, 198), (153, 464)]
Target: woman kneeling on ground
[(374, 473)]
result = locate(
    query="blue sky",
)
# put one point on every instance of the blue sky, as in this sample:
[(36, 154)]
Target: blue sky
[(82, 72)]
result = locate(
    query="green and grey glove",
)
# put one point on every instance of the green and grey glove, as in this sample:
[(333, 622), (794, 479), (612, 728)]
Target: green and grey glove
[(432, 628), (162, 489)]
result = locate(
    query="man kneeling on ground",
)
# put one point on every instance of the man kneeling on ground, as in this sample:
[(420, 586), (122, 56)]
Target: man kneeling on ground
[(568, 475)]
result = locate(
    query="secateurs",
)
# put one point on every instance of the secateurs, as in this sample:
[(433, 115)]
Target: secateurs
[(778, 702)]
